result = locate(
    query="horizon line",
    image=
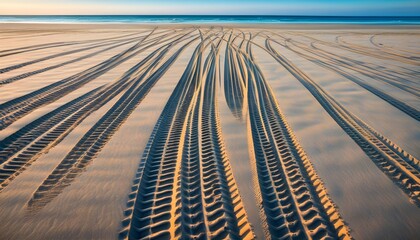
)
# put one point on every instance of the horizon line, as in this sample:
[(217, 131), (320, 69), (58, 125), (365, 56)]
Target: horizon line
[(213, 15)]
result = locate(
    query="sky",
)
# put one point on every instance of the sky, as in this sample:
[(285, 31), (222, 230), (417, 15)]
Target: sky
[(212, 7)]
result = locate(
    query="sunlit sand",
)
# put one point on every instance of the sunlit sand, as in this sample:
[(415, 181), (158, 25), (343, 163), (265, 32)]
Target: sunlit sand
[(196, 132)]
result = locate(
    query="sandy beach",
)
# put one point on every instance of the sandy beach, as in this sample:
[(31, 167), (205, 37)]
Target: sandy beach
[(133, 131)]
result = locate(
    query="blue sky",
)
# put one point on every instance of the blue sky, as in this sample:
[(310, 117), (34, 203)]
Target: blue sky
[(217, 7)]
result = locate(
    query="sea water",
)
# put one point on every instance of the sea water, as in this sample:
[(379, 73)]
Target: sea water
[(247, 19)]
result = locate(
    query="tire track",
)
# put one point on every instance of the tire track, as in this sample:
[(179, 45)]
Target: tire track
[(374, 69), (294, 201), (96, 138), (411, 111), (9, 52), (184, 186), (381, 46), (161, 151), (12, 35), (234, 80), (380, 53), (357, 66), (21, 106), (32, 73), (213, 172), (61, 54), (385, 74), (397, 164), (30, 142), (93, 99)]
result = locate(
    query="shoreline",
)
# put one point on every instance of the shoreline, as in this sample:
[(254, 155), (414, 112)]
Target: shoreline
[(299, 26)]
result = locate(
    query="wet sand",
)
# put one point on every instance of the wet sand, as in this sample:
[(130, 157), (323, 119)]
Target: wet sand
[(235, 131)]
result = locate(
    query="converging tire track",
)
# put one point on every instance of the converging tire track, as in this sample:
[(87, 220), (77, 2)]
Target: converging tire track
[(9, 52), (184, 186), (396, 163), (89, 55), (21, 106), (383, 53), (388, 78), (61, 54), (409, 110), (377, 72), (96, 138), (23, 147)]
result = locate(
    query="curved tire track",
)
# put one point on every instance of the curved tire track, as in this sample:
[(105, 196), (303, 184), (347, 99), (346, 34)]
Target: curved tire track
[(409, 110), (397, 164), (21, 106), (32, 73)]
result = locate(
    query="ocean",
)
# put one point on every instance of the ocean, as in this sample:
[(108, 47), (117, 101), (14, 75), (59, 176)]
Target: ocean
[(196, 19)]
